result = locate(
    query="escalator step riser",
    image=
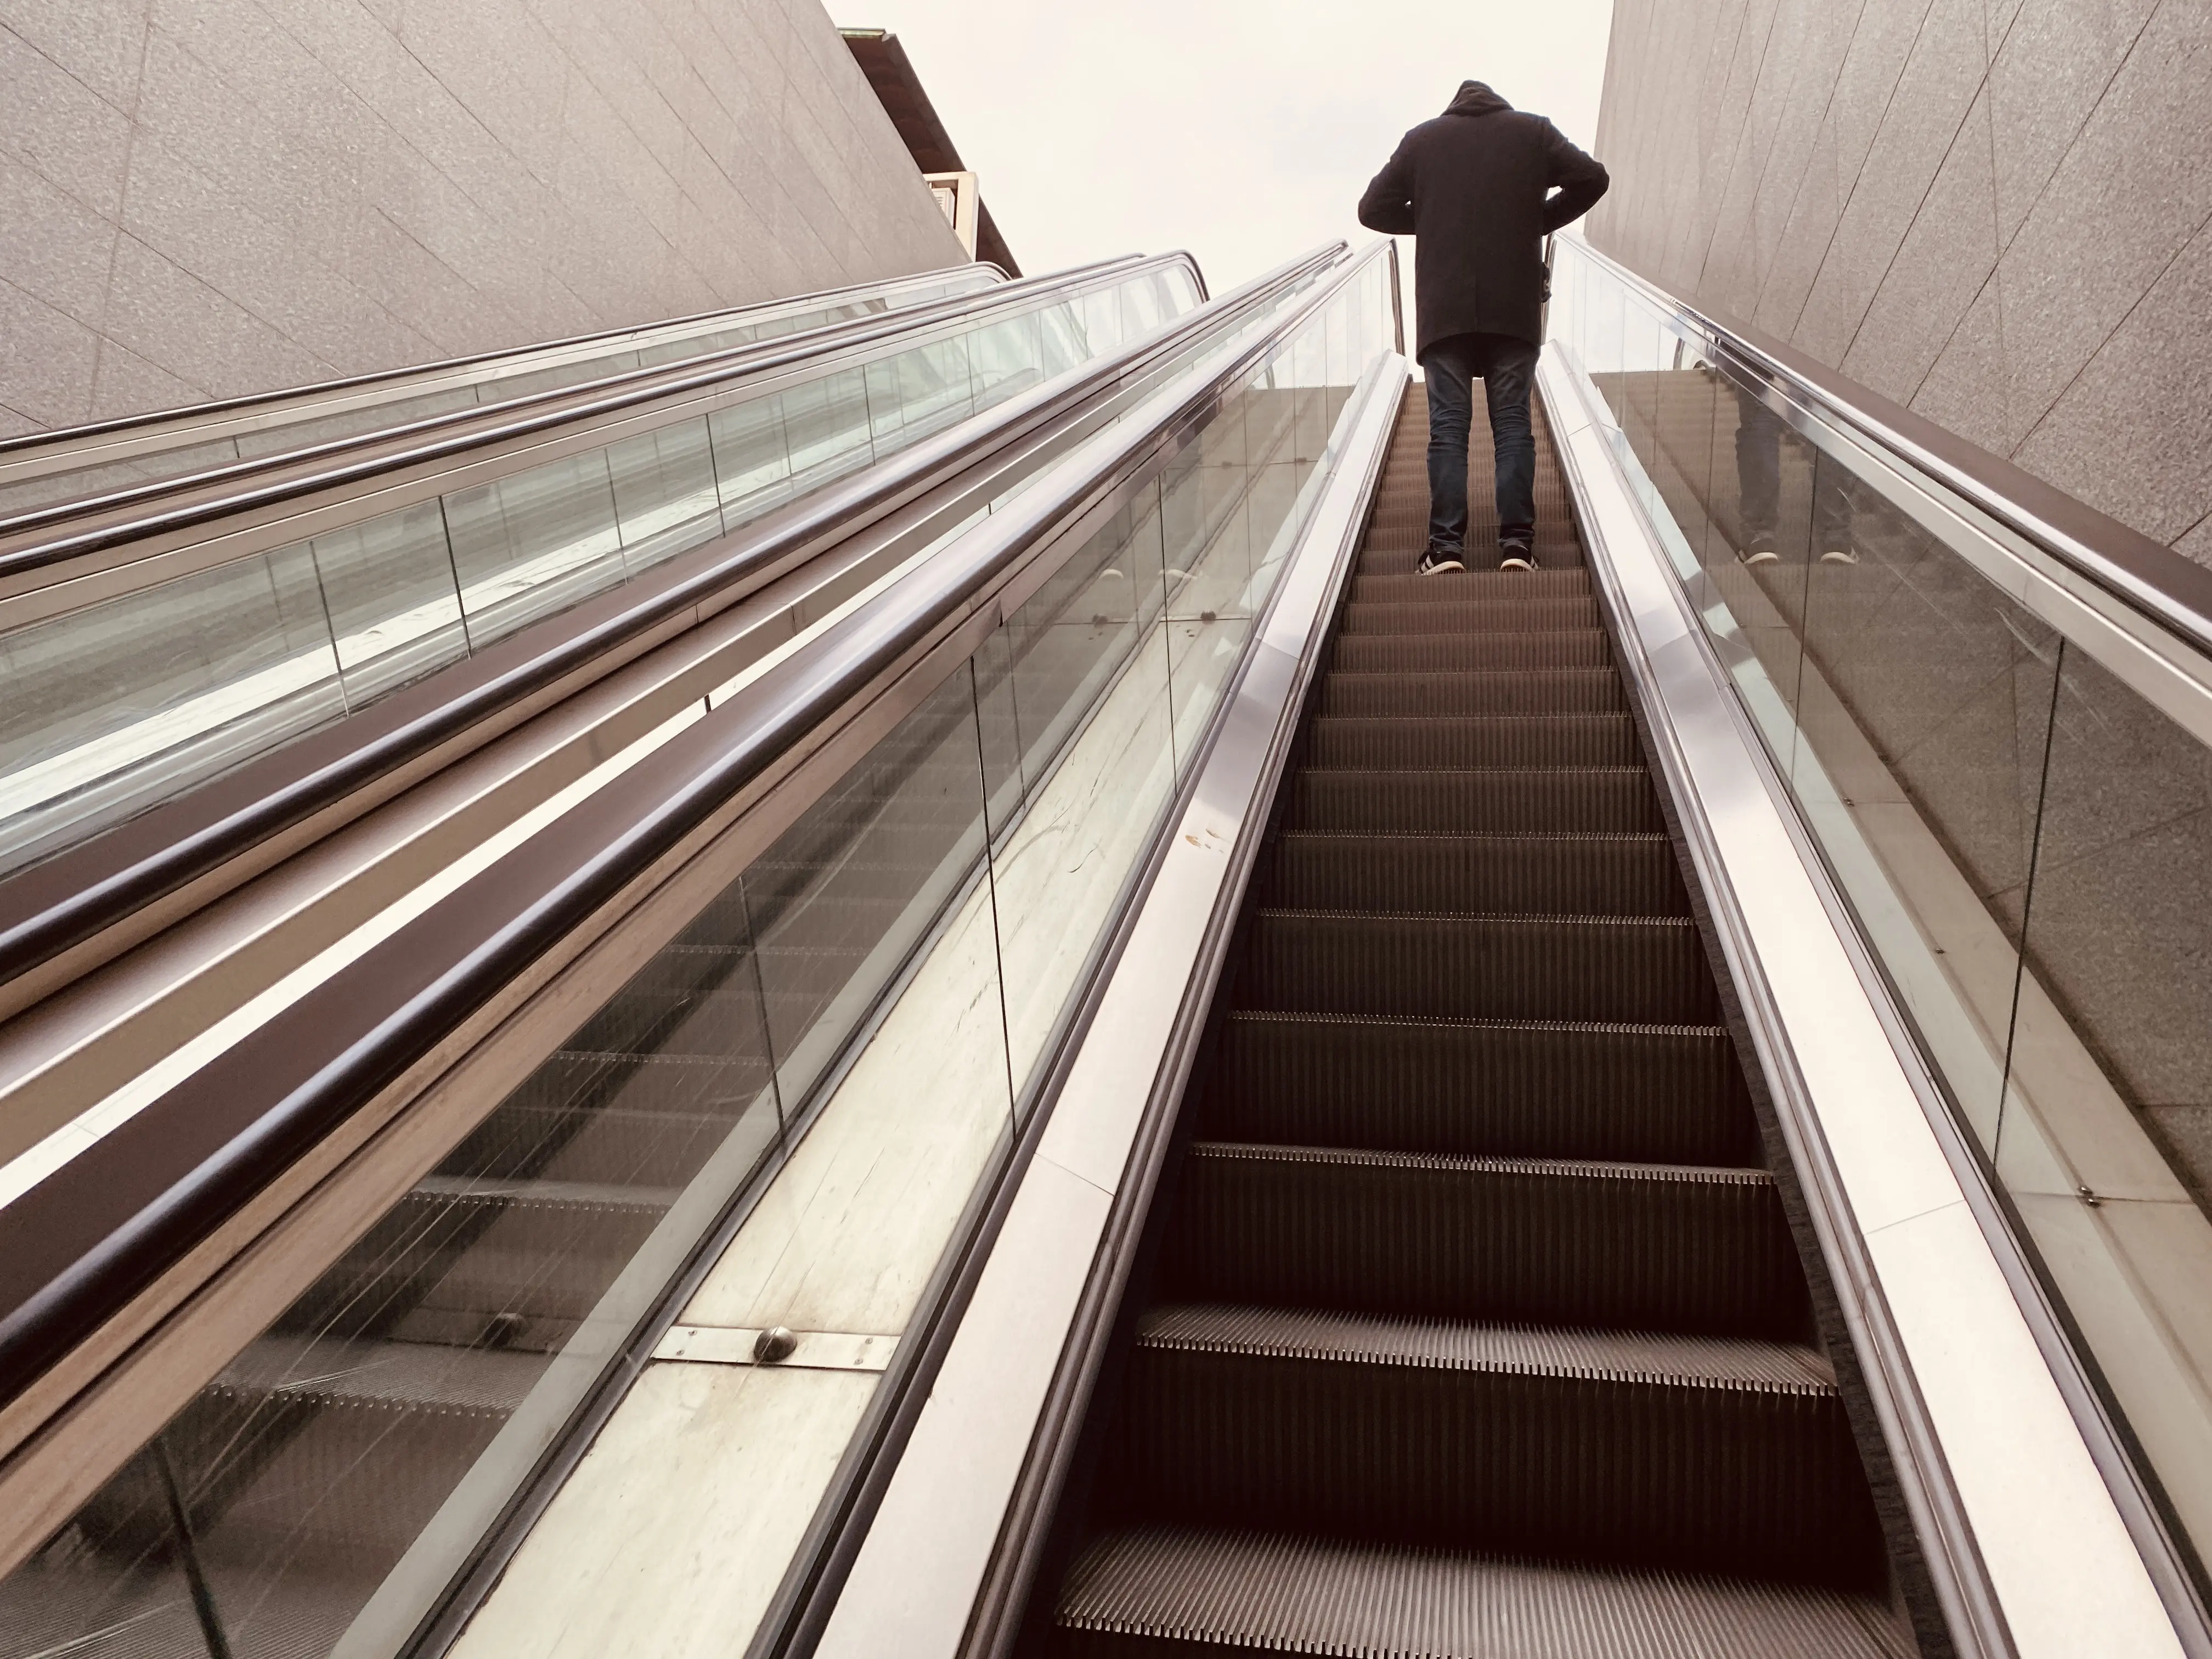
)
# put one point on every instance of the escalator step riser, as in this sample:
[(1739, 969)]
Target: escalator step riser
[(1461, 654), (1535, 875), (1509, 1244), (1638, 971), (1500, 802), (1447, 612), (1640, 1473), (1529, 691), (1447, 742), (1613, 1092)]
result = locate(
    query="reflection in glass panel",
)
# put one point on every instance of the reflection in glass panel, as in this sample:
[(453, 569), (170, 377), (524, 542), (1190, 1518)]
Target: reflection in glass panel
[(665, 499), (528, 545), (119, 703), (841, 901), (388, 586), (1088, 640)]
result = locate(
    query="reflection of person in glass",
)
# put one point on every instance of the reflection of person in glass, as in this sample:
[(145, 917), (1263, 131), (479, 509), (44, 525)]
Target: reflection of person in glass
[(1758, 486)]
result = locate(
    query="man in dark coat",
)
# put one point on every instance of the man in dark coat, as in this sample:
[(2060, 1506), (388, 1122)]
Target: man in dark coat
[(1474, 188)]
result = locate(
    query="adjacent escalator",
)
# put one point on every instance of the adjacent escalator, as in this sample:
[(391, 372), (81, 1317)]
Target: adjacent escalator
[(1475, 1323)]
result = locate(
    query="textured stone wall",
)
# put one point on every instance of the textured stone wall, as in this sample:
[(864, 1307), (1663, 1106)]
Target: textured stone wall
[(208, 197), (1996, 212)]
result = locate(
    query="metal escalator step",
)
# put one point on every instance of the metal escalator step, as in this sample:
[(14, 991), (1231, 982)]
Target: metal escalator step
[(1488, 1088), (1461, 742), (1522, 691), (1524, 875), (1456, 653), (1679, 1248), (1473, 584), (1450, 611), (1645, 970), (1503, 801), (1148, 1592), (1624, 1446)]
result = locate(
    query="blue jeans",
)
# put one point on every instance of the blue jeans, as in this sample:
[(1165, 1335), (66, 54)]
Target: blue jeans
[(1506, 365)]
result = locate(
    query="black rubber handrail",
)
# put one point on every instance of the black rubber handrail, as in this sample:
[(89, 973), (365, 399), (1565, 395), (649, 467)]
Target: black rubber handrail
[(2149, 578), (468, 429), (11, 448), (76, 1247), (53, 906)]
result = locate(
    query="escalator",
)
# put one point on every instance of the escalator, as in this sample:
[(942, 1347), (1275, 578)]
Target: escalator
[(308, 1322), (1476, 1324), (1029, 1046)]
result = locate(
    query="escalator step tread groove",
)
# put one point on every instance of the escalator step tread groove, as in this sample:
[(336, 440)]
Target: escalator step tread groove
[(1204, 1594), (1557, 1168), (1522, 1350)]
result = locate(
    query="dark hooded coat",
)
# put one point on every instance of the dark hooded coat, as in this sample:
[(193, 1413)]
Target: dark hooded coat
[(1474, 188)]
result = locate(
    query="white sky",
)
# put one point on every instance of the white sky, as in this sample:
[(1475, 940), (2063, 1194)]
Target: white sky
[(1240, 129)]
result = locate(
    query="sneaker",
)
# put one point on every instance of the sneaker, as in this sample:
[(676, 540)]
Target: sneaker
[(1435, 560), (1515, 555), (1840, 556), (1759, 549)]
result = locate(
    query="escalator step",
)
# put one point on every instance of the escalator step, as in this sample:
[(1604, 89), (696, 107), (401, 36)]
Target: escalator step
[(1565, 583), (1698, 1453), (1622, 1246), (1524, 691), (1151, 1592), (1493, 1088), (1643, 970), (1459, 654), (1499, 801), (1465, 742), (1522, 875), (1450, 611)]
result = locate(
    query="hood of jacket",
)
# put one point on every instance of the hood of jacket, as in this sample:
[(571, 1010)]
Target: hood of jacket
[(1475, 99)]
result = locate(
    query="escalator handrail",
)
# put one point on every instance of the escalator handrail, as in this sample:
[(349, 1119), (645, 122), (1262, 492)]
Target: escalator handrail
[(219, 411), (2155, 582), (356, 459), (77, 1246), (52, 907)]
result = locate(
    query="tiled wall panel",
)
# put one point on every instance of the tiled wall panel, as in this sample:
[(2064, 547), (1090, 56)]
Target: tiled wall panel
[(202, 199), (1996, 212)]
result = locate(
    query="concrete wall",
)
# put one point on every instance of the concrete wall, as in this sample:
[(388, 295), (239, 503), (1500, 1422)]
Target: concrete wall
[(207, 198), (1997, 212)]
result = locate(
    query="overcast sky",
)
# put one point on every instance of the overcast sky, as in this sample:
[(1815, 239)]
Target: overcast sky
[(1240, 129)]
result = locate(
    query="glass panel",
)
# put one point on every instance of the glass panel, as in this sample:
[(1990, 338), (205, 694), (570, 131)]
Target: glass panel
[(920, 392), (826, 426), (388, 587), (1089, 638), (531, 544), (665, 493), (2104, 1143), (2021, 836), (117, 704), (843, 900), (752, 457), (1101, 321), (1008, 360)]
